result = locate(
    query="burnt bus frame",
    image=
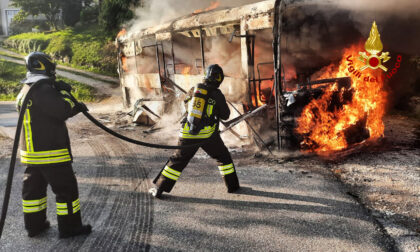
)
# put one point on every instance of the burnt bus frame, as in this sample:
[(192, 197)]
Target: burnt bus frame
[(280, 105), (252, 80)]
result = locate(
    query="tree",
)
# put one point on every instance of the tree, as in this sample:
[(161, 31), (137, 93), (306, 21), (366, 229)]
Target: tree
[(71, 11), (50, 8), (114, 13)]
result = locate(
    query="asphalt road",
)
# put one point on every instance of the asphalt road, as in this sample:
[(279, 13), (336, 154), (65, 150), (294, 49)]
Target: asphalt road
[(8, 118), (8, 114), (281, 206)]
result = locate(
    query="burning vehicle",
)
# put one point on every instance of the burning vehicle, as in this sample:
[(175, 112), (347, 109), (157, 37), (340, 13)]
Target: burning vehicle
[(307, 94)]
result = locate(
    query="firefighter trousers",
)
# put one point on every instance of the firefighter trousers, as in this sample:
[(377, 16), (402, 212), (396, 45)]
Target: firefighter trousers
[(63, 183), (215, 148)]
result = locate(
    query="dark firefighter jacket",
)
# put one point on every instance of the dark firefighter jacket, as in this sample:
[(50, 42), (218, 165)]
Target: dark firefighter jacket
[(217, 109), (44, 138)]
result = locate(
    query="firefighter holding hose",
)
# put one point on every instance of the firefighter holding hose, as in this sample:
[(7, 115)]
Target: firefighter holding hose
[(45, 150), (206, 106)]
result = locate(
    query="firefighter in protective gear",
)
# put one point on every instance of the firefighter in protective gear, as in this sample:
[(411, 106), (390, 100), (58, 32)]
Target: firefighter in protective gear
[(45, 150), (206, 106)]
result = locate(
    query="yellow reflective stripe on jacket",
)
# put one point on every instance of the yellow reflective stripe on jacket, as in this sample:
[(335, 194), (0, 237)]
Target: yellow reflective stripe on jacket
[(226, 169), (70, 102), (28, 130), (65, 93), (67, 97), (209, 110), (62, 208), (45, 157), (206, 132), (171, 173), (33, 206)]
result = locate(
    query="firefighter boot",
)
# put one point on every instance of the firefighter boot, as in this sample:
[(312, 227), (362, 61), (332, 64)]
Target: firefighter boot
[(228, 173), (231, 182), (82, 230), (71, 225), (35, 223), (39, 230), (156, 192), (164, 183)]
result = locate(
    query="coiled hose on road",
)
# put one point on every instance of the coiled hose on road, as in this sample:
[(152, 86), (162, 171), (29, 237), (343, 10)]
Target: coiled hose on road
[(94, 121)]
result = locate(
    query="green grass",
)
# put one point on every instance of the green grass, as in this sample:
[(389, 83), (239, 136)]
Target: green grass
[(85, 48), (3, 53), (10, 55), (11, 74)]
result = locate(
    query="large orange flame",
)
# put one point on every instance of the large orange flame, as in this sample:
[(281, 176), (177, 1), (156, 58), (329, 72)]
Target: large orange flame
[(122, 32), (267, 89), (213, 5), (124, 64), (186, 70), (324, 131)]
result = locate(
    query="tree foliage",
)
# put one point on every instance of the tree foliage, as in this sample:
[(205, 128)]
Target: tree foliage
[(50, 8), (71, 11), (20, 16), (114, 13)]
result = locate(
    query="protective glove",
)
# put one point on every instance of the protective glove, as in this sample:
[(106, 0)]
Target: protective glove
[(61, 85), (80, 107)]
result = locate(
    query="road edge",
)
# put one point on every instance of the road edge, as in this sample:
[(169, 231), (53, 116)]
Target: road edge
[(400, 238), (7, 132)]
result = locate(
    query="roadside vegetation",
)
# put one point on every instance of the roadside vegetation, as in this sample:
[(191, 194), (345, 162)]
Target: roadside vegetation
[(82, 48), (11, 74), (83, 38)]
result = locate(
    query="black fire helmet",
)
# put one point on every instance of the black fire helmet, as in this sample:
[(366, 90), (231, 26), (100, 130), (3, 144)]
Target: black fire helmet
[(214, 75), (40, 63)]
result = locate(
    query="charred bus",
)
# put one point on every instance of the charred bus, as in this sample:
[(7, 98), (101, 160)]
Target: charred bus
[(158, 64)]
